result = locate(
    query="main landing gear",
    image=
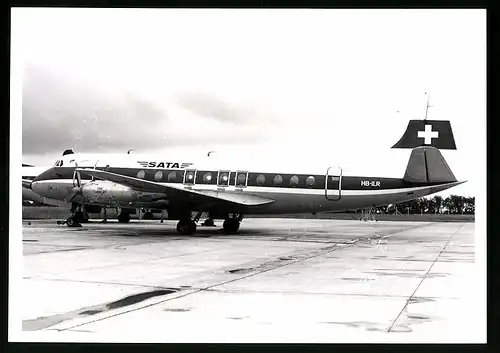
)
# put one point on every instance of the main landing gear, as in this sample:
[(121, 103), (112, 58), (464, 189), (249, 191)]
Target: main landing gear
[(148, 215), (231, 225), (188, 226), (209, 222), (123, 217)]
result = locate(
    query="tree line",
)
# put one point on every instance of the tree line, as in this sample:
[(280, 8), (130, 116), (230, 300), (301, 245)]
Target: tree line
[(453, 204)]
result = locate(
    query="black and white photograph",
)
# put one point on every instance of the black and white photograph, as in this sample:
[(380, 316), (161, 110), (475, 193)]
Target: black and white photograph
[(247, 175)]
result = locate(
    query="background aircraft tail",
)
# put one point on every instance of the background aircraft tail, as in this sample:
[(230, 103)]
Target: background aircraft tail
[(434, 133), (427, 165)]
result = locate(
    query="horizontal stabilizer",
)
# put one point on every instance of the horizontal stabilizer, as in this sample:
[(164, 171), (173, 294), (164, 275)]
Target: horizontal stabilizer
[(427, 165), (432, 133)]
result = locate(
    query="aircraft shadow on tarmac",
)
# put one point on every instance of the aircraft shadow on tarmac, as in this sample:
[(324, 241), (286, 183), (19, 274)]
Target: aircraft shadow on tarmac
[(160, 230)]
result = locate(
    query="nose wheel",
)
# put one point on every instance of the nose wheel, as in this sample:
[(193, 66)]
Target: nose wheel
[(75, 220)]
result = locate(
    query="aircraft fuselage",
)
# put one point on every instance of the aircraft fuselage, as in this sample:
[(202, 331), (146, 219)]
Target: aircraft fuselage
[(292, 193)]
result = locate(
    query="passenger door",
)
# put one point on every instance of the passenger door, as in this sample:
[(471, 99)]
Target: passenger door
[(333, 184)]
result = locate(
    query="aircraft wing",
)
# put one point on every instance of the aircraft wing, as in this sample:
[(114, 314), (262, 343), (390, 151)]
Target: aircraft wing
[(178, 191)]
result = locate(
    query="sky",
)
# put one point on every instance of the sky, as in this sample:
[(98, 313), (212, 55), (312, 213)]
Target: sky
[(336, 87)]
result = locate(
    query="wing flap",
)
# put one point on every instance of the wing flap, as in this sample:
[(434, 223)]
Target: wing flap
[(241, 199), (178, 191)]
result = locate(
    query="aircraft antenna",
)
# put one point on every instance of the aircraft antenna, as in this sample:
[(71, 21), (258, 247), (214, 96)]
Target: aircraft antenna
[(427, 107)]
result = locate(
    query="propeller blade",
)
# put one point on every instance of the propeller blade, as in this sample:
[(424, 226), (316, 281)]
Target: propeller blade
[(78, 179)]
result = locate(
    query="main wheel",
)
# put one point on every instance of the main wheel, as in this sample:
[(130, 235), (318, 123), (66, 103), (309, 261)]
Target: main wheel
[(186, 227), (231, 225), (123, 218)]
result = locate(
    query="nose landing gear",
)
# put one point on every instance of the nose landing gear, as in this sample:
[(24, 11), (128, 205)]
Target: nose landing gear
[(79, 216), (75, 220)]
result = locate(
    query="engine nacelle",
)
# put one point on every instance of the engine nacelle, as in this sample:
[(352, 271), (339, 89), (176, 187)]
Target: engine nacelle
[(106, 192)]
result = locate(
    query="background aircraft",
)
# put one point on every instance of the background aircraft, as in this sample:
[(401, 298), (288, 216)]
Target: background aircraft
[(29, 172)]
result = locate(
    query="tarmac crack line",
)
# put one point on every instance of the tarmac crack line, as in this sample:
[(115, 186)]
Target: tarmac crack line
[(316, 293), (258, 272), (94, 282), (422, 280), (56, 251)]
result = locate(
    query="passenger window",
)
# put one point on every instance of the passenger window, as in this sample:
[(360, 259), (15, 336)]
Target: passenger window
[(278, 179), (172, 176), (294, 181), (158, 175), (310, 181), (189, 177), (261, 180), (223, 178), (207, 177), (141, 174), (241, 179)]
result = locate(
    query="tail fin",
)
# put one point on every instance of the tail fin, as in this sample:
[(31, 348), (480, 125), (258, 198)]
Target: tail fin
[(427, 165), (435, 133)]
